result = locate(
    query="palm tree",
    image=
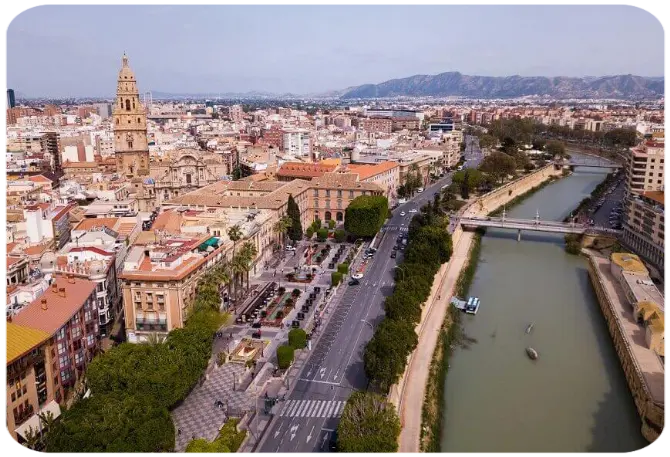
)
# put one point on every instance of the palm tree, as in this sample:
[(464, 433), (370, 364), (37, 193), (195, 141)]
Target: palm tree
[(248, 253), (154, 339), (281, 228), (238, 268), (235, 235), (32, 438)]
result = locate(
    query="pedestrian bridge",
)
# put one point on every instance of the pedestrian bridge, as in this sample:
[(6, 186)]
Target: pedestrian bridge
[(536, 225), (592, 162)]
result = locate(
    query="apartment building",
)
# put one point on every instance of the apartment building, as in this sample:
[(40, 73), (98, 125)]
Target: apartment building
[(645, 167), (297, 142), (67, 313), (17, 270), (159, 281), (48, 222), (644, 226), (402, 123), (374, 124), (163, 267), (386, 175), (29, 391)]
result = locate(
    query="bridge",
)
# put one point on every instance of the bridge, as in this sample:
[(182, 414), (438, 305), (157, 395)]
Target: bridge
[(592, 162), (536, 225)]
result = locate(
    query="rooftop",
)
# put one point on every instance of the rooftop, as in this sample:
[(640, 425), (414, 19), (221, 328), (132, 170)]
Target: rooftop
[(59, 307), (657, 196), (629, 262), (21, 340)]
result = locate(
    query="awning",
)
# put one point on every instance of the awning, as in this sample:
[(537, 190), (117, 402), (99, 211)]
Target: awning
[(34, 420)]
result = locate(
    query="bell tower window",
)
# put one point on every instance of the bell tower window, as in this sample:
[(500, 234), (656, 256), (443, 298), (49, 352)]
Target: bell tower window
[(127, 105)]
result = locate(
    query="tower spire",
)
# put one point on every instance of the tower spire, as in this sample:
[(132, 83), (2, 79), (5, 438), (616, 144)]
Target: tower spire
[(125, 59)]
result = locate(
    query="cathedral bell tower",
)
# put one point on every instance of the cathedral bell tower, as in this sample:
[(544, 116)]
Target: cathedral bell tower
[(130, 127)]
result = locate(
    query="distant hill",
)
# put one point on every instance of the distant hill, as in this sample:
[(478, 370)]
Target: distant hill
[(457, 84)]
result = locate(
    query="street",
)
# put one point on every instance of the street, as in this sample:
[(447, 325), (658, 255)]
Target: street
[(306, 420)]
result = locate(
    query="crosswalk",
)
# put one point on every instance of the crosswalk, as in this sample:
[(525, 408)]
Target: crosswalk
[(394, 228), (312, 408)]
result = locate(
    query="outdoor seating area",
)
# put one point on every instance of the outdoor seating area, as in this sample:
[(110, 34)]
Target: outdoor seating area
[(341, 251)]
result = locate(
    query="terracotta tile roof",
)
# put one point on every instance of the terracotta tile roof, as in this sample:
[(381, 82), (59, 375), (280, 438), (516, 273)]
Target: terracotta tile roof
[(21, 340), (366, 171), (35, 250), (169, 221), (59, 309), (6, 262), (68, 164), (39, 178), (89, 223), (304, 170)]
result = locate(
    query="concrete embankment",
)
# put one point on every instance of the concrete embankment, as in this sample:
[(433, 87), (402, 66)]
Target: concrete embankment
[(410, 391), (643, 368)]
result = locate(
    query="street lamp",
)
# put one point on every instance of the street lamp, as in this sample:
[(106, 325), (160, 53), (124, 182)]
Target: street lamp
[(400, 267)]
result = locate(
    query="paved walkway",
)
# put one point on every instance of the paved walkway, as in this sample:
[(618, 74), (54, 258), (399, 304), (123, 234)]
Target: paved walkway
[(199, 417), (413, 391)]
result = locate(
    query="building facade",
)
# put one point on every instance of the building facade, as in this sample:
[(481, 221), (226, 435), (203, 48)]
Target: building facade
[(644, 227), (130, 127)]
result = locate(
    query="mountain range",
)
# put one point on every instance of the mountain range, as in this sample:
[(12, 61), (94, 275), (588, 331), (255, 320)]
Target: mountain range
[(460, 85)]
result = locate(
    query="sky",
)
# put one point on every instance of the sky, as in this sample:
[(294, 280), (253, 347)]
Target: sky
[(70, 51)]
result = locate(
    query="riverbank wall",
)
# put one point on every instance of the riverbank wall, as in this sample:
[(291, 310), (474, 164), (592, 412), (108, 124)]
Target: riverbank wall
[(410, 391), (643, 370)]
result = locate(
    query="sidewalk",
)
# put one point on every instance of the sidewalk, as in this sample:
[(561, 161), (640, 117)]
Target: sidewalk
[(413, 393)]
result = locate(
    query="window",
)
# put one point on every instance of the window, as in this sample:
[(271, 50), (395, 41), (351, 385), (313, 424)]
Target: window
[(61, 333), (316, 192), (13, 396), (351, 194), (127, 105), (62, 349), (25, 390)]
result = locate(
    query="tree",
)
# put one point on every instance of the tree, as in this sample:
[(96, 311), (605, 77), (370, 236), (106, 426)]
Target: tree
[(113, 423), (281, 227), (369, 423), (343, 268), (487, 141), (235, 235), (284, 356), (386, 354), (297, 338), (322, 234), (335, 278), (309, 233), (248, 254), (555, 148), (202, 445), (340, 236), (331, 224), (539, 143), (365, 215), (498, 165), (293, 211)]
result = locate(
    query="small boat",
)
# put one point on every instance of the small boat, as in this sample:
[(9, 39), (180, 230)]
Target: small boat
[(472, 306), (530, 328), (532, 353)]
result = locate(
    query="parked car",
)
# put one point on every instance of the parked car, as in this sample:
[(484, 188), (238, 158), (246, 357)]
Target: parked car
[(413, 210), (290, 248), (393, 254), (354, 282), (357, 276), (402, 213)]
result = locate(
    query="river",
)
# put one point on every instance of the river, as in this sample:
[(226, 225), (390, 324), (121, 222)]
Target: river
[(574, 398)]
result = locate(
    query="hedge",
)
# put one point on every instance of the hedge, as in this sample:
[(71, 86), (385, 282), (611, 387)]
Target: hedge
[(284, 356)]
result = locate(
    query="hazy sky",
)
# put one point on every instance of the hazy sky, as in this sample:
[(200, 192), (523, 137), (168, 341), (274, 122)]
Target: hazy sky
[(76, 50)]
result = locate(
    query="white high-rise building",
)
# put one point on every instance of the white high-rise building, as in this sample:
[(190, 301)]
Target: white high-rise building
[(297, 142)]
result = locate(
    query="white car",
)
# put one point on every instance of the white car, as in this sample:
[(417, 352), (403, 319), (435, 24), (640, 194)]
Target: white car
[(403, 213), (357, 276), (413, 210), (290, 248)]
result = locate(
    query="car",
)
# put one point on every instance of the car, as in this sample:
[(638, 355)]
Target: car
[(357, 276), (413, 210), (419, 190), (393, 254), (256, 325), (395, 248), (402, 213), (354, 282), (290, 248)]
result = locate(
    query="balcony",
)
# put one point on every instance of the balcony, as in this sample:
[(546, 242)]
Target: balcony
[(23, 415)]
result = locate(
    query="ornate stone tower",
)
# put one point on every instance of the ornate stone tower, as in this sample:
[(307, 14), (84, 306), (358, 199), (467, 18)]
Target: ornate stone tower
[(130, 127)]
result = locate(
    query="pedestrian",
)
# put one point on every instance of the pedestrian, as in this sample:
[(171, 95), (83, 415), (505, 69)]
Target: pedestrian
[(178, 432), (231, 334)]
